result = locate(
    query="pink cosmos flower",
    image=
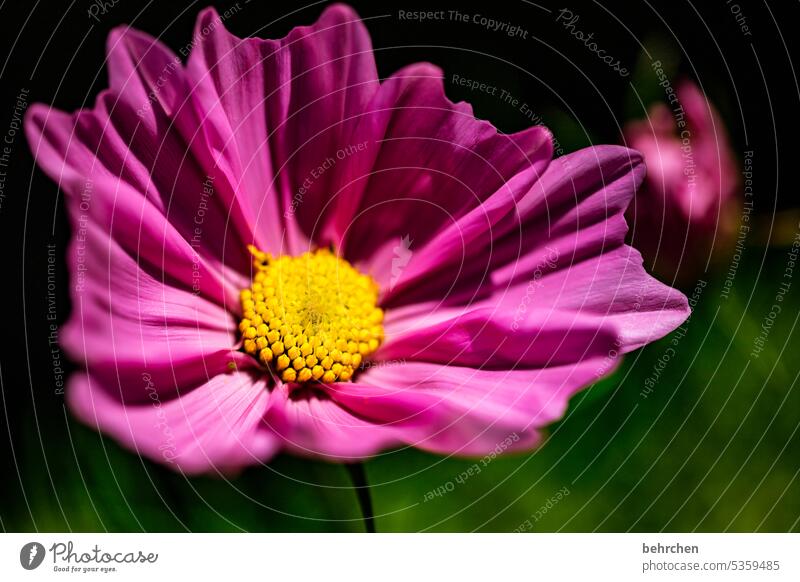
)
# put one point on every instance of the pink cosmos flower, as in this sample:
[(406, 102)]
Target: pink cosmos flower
[(275, 250), (686, 210)]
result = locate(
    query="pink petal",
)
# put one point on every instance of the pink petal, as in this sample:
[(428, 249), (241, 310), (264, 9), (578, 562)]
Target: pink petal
[(465, 411), (125, 322), (610, 293), (613, 288), (126, 171), (275, 110), (428, 166), (568, 256), (308, 422), (496, 337), (575, 209), (217, 426)]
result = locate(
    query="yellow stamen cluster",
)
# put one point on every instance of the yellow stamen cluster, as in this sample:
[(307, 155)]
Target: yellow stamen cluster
[(312, 317)]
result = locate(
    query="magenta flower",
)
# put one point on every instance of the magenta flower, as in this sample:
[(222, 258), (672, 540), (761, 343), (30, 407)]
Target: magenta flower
[(274, 250), (686, 211)]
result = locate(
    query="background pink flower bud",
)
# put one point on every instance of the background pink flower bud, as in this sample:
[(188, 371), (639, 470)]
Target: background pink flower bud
[(684, 216)]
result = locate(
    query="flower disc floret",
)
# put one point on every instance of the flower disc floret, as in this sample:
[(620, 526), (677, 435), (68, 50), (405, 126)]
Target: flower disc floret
[(313, 317)]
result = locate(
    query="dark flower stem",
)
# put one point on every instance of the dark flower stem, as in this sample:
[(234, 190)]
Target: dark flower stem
[(359, 478)]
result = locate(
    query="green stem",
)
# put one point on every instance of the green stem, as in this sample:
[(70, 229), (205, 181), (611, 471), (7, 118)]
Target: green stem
[(359, 478)]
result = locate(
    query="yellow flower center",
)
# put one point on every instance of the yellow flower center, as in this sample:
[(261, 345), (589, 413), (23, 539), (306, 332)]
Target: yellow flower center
[(312, 317)]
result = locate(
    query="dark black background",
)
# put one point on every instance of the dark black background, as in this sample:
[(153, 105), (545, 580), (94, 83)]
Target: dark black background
[(56, 50)]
